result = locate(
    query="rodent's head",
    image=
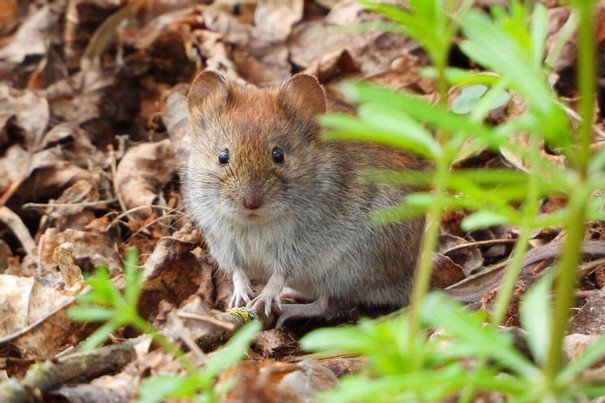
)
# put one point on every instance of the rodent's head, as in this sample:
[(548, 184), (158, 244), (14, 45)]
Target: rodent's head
[(256, 153)]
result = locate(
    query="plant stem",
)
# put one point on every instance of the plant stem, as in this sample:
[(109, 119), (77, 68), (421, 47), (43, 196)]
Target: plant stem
[(422, 275), (530, 212), (565, 290), (571, 256)]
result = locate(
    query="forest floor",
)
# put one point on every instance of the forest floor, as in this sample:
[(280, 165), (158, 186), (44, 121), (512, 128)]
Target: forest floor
[(89, 167)]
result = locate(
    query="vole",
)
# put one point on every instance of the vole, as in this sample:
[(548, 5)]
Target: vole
[(278, 203)]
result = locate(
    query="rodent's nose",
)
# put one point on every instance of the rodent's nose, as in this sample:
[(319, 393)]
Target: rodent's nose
[(253, 200)]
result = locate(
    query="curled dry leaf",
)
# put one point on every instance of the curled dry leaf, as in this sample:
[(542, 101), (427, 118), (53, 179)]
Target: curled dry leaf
[(333, 67), (372, 50), (90, 250), (404, 73), (72, 274), (142, 174), (460, 251)]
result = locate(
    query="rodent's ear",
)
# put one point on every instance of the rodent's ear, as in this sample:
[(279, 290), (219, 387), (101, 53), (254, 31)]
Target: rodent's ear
[(210, 91), (302, 95)]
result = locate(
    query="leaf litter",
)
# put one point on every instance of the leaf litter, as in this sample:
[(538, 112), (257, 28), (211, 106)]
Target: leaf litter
[(93, 133)]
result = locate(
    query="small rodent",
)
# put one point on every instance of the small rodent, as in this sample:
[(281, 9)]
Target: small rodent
[(278, 203)]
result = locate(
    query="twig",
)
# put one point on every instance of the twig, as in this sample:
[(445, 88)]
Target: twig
[(208, 319), (53, 373), (13, 221), (81, 204), (125, 213), (186, 338), (477, 243)]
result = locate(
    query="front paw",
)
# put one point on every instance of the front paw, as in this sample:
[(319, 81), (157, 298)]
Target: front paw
[(242, 290), (241, 297), (265, 302)]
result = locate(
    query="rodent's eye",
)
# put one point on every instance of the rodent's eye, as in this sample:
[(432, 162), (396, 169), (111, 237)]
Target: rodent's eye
[(278, 155), (223, 156)]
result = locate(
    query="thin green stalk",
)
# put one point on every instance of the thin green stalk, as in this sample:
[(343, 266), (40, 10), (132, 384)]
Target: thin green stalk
[(571, 256), (422, 275), (565, 290), (530, 212), (586, 81)]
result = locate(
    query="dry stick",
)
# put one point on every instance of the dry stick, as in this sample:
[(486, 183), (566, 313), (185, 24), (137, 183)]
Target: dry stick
[(81, 204), (209, 319), (477, 243), (114, 171), (126, 212), (185, 336), (12, 220), (149, 224), (11, 189), (53, 373)]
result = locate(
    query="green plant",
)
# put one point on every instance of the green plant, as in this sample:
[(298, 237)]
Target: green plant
[(510, 43), (105, 303), (457, 359)]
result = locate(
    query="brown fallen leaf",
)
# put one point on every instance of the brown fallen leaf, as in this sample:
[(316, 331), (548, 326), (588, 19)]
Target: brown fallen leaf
[(576, 343), (142, 174), (274, 18), (590, 320), (464, 253), (82, 18), (445, 272), (32, 38), (271, 342), (91, 249), (277, 381)]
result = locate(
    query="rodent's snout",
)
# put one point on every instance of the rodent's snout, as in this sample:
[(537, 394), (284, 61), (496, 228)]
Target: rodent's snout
[(252, 199)]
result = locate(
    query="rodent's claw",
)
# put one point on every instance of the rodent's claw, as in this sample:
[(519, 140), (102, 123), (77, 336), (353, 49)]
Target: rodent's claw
[(265, 303), (240, 298)]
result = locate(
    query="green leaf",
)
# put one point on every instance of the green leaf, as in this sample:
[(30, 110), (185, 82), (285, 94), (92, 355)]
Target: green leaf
[(483, 341), (468, 98), (410, 134), (157, 388), (234, 350), (99, 336), (483, 219), (90, 314), (539, 32), (434, 115), (343, 127), (483, 37), (456, 76), (535, 314), (133, 276)]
